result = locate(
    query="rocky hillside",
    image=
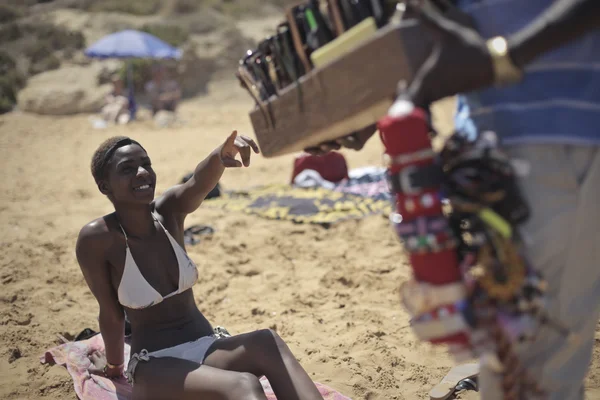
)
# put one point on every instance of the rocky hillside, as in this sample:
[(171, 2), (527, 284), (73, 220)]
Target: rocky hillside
[(43, 69)]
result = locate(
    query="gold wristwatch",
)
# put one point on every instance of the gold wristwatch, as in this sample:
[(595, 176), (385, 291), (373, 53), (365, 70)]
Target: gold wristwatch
[(505, 71)]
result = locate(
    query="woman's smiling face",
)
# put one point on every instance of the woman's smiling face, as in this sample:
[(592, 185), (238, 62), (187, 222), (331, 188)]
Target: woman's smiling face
[(130, 176)]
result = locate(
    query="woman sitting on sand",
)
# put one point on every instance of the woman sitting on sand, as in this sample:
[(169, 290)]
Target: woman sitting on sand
[(134, 260), (116, 104)]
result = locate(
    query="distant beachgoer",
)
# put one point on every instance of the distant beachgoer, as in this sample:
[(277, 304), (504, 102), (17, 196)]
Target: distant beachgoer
[(116, 104), (163, 91), (134, 260)]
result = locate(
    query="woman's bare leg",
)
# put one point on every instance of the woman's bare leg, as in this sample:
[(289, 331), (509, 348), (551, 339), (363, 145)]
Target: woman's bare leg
[(264, 353), (169, 378)]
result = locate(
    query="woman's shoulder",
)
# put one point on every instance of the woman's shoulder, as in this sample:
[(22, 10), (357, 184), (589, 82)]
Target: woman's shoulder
[(97, 233)]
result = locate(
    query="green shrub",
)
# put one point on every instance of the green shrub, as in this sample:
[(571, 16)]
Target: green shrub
[(10, 32), (247, 8), (7, 63), (6, 104), (135, 7), (9, 14), (8, 90), (17, 79), (173, 34), (241, 9), (10, 82), (185, 6), (38, 50), (63, 38), (141, 72), (55, 37), (46, 64), (9, 72), (25, 3), (8, 94), (80, 4), (46, 40)]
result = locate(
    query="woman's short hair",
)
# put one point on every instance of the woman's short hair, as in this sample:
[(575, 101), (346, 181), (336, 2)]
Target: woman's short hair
[(105, 152)]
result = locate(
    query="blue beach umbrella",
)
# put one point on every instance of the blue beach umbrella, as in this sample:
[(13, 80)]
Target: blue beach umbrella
[(129, 44), (132, 44)]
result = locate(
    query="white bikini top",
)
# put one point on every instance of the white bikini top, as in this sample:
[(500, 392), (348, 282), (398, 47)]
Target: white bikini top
[(135, 291)]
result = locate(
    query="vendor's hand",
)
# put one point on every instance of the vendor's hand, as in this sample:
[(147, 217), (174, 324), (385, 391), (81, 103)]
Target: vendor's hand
[(460, 61), (354, 141), (237, 144)]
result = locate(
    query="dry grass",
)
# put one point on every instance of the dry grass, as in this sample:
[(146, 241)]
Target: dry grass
[(135, 7), (173, 34)]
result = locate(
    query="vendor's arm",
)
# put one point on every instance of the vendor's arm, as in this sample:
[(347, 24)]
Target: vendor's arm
[(185, 198), (461, 61), (562, 22), (92, 244), (354, 141)]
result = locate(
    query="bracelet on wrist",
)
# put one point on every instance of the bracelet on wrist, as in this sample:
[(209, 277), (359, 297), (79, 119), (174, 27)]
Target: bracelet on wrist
[(112, 367)]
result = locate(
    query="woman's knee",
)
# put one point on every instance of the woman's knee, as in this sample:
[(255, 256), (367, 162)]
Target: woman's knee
[(269, 347), (268, 340), (246, 387), (269, 337)]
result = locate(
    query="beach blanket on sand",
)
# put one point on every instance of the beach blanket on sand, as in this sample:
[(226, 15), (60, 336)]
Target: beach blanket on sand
[(365, 181), (317, 205), (74, 356)]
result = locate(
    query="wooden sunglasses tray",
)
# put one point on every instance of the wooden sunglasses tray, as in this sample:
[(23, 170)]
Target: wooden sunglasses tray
[(349, 93)]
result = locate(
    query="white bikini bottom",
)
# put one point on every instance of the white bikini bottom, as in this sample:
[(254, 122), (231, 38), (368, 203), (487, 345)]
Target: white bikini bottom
[(192, 351)]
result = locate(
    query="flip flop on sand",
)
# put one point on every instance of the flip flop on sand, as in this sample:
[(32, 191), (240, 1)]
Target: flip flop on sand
[(461, 377), (189, 235)]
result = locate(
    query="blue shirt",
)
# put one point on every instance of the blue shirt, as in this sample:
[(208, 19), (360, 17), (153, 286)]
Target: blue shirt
[(558, 101)]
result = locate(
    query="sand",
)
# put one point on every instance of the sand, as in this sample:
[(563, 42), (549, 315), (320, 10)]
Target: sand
[(330, 293)]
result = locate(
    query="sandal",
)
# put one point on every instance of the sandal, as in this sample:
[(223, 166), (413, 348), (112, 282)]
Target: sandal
[(189, 233), (460, 377)]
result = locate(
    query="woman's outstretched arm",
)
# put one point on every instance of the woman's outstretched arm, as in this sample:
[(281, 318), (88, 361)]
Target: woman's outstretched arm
[(185, 198), (92, 244)]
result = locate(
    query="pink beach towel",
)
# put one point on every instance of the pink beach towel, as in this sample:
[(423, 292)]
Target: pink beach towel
[(74, 356)]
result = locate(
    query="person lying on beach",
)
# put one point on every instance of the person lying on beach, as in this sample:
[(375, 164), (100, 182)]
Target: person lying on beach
[(134, 260)]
